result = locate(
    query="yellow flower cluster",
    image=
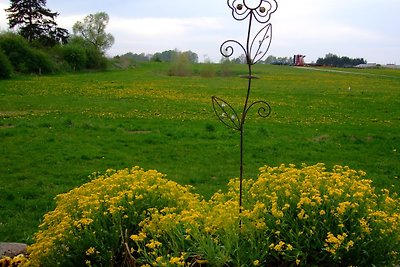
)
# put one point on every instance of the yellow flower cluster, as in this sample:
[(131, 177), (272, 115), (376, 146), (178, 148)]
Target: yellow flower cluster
[(101, 211), (333, 243), (289, 215)]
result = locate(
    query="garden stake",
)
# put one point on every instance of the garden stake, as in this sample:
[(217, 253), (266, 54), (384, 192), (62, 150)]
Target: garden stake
[(255, 48)]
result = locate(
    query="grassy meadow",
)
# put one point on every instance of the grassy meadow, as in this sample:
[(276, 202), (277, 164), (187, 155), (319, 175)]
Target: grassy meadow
[(57, 130)]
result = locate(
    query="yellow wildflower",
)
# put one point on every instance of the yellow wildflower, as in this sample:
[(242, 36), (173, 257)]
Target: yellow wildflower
[(140, 237), (90, 251), (279, 246), (177, 261), (153, 244)]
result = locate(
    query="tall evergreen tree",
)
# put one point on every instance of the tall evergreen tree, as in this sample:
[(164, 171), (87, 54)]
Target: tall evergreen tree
[(35, 22)]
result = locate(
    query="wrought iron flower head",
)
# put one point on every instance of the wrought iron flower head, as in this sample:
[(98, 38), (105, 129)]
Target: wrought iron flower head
[(261, 9)]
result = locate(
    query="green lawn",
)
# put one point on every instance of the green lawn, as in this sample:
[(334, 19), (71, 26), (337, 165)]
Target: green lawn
[(57, 130)]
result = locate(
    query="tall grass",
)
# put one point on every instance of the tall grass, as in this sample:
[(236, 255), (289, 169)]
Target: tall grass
[(56, 130)]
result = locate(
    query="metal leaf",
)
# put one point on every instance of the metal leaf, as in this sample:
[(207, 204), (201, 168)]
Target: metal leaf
[(225, 113), (261, 43)]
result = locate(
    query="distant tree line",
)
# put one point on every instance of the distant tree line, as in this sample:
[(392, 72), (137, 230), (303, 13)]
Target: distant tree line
[(333, 60), (35, 43), (330, 59), (165, 56)]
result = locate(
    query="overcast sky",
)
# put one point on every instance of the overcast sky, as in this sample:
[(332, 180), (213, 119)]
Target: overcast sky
[(354, 28)]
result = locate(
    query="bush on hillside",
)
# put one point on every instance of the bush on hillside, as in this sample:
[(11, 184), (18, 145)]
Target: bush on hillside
[(291, 216), (6, 68), (180, 65), (95, 59), (74, 55), (39, 62), (25, 59), (16, 48)]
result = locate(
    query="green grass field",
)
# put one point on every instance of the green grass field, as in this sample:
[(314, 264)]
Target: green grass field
[(57, 130)]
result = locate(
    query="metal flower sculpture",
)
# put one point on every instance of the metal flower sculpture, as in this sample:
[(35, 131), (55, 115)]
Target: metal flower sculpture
[(255, 48)]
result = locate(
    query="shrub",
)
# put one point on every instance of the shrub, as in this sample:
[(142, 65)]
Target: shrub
[(74, 55), (95, 59), (180, 65), (39, 62), (306, 216), (16, 48), (24, 58), (291, 216), (6, 68), (91, 224), (319, 217)]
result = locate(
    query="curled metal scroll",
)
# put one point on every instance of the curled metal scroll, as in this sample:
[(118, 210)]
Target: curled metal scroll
[(256, 47), (227, 48), (263, 111)]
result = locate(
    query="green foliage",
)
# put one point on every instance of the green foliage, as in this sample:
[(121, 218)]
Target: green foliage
[(16, 48), (89, 56), (95, 59), (25, 59), (6, 68), (173, 55), (74, 55), (40, 62), (291, 216), (337, 61), (92, 29)]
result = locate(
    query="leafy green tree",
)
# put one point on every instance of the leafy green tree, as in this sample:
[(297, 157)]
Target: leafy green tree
[(92, 29), (35, 22)]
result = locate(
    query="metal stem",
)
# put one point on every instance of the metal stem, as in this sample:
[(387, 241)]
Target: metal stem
[(255, 49)]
